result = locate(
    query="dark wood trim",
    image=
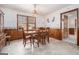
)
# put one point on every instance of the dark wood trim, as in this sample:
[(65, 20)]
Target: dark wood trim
[(60, 21), (27, 23), (70, 11), (35, 22), (77, 28), (61, 24), (3, 23), (17, 21)]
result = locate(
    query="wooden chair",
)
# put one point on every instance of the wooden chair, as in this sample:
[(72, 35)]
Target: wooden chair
[(26, 38), (8, 36), (43, 35), (37, 37), (43, 38), (47, 34)]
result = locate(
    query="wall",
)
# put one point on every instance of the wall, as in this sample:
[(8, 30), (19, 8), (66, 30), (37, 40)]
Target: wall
[(10, 17), (56, 23), (56, 14), (40, 22)]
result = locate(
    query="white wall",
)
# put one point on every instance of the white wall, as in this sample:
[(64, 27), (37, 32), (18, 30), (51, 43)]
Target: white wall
[(56, 14), (10, 18), (40, 21)]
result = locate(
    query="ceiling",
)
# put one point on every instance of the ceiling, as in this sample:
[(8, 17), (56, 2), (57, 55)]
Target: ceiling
[(42, 9)]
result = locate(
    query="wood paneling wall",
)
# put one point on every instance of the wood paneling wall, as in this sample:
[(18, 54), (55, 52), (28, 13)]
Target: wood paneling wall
[(14, 33), (55, 33)]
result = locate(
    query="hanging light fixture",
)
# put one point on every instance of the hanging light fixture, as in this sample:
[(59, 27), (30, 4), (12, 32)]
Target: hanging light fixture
[(35, 11)]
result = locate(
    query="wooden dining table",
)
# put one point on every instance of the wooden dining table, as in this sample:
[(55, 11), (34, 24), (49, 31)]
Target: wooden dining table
[(32, 33), (35, 32)]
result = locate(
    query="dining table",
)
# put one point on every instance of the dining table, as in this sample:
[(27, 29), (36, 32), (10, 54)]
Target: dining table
[(33, 33)]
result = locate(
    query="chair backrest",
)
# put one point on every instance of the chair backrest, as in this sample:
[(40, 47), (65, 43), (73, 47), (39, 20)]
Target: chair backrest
[(41, 28), (23, 33), (38, 33), (7, 31)]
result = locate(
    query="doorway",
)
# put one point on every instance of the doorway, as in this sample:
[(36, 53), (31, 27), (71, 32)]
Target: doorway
[(69, 26)]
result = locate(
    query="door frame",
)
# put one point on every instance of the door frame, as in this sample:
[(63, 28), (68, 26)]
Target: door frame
[(77, 10), (65, 29)]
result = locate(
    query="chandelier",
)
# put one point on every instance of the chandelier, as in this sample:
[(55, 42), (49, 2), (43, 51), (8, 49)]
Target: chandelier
[(34, 11)]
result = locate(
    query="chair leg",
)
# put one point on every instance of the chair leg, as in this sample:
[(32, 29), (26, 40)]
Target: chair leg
[(24, 43), (38, 42), (33, 42), (9, 40), (43, 40), (30, 41), (48, 39)]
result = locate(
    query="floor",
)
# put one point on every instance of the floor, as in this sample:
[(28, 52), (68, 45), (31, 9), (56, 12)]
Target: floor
[(55, 47), (71, 39)]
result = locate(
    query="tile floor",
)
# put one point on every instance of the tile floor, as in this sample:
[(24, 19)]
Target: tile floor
[(55, 47)]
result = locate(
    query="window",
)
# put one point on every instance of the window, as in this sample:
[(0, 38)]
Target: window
[(26, 22), (31, 23)]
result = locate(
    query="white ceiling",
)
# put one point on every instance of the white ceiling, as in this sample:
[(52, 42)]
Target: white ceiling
[(42, 9)]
